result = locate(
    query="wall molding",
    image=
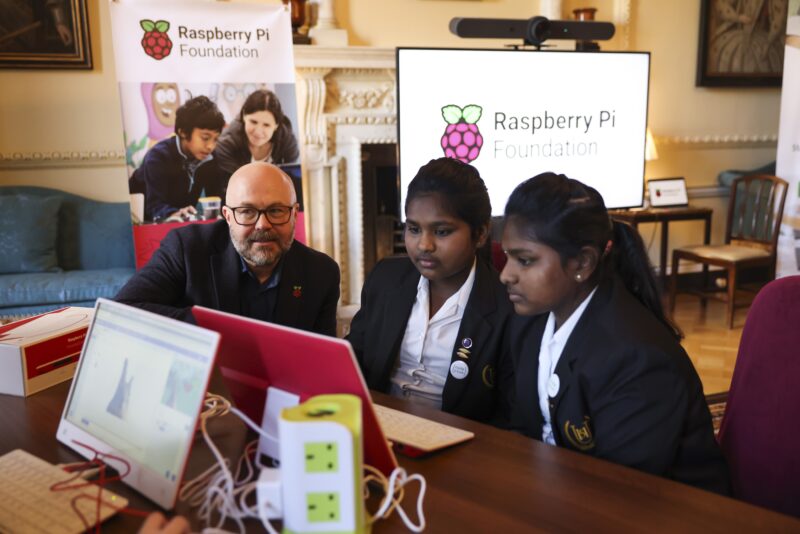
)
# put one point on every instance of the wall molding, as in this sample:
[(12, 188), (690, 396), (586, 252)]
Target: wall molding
[(708, 191), (62, 158), (116, 158), (357, 58), (716, 141)]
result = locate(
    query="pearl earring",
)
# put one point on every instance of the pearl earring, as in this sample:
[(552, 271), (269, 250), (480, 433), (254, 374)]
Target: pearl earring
[(578, 277)]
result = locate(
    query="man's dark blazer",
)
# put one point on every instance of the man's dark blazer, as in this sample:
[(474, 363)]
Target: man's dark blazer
[(628, 392), (198, 265), (376, 334)]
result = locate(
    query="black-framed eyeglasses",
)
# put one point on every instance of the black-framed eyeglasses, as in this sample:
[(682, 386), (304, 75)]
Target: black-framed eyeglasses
[(247, 216)]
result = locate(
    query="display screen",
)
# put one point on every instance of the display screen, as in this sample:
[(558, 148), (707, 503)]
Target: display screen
[(140, 386), (516, 113), (668, 192)]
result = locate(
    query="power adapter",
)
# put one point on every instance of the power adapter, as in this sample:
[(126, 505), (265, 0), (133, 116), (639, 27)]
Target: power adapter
[(269, 494)]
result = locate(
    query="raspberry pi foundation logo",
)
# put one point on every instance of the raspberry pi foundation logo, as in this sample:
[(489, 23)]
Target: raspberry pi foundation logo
[(462, 140), (156, 42)]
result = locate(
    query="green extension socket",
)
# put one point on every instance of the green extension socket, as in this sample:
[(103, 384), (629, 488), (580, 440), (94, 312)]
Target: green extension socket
[(322, 462)]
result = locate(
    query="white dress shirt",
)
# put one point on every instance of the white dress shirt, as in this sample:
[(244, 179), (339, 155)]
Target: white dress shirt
[(427, 346), (549, 353)]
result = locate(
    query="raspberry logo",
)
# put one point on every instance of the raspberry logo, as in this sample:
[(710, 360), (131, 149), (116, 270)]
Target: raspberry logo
[(462, 140), (156, 42)]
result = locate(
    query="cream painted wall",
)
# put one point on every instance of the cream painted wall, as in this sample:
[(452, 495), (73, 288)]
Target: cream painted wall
[(390, 23), (681, 115), (48, 111), (679, 110), (677, 107), (65, 111)]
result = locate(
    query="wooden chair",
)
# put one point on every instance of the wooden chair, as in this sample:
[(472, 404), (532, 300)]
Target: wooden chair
[(751, 237)]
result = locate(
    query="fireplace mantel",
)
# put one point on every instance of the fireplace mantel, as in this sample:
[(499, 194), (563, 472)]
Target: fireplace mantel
[(346, 98), (357, 57)]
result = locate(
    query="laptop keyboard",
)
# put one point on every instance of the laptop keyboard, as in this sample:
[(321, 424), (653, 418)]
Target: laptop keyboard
[(28, 505), (418, 432)]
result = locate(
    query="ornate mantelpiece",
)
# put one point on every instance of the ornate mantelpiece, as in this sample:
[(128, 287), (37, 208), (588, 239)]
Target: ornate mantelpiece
[(346, 98)]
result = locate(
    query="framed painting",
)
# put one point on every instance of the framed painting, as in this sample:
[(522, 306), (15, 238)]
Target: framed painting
[(741, 43), (44, 34)]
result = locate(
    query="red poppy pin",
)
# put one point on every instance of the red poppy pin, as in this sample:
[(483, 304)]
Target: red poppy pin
[(297, 291)]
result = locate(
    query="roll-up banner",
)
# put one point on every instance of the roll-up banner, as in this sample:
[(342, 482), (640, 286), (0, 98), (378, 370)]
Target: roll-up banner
[(205, 87), (788, 160)]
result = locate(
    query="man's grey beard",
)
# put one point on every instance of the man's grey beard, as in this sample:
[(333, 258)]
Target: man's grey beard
[(261, 257)]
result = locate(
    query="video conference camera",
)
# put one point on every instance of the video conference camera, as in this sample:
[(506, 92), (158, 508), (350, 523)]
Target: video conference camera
[(534, 31)]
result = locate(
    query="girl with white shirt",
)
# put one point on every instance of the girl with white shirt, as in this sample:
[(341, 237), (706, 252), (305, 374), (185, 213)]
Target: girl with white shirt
[(431, 327), (598, 367)]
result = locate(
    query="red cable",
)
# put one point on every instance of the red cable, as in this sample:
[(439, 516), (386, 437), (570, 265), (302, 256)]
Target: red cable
[(100, 484)]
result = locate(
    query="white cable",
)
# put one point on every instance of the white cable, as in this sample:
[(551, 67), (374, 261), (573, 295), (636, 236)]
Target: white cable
[(251, 424), (396, 483), (220, 492), (422, 486), (217, 491)]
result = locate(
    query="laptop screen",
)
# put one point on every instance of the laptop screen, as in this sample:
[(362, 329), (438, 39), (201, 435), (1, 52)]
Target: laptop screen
[(140, 385), (299, 363)]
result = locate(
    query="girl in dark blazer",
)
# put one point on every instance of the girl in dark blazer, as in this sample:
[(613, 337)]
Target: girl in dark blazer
[(598, 367), (432, 325)]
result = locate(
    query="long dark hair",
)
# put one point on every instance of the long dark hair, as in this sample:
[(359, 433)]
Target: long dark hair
[(461, 190), (567, 215), (283, 150)]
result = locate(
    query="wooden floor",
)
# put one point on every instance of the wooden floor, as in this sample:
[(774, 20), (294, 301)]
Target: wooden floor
[(709, 343)]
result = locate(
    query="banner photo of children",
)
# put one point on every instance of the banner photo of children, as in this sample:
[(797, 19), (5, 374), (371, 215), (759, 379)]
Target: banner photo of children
[(183, 141), (200, 99)]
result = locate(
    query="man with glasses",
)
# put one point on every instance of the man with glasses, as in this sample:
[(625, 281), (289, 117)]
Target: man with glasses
[(249, 264)]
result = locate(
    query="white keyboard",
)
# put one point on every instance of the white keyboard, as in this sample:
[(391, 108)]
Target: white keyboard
[(418, 432), (27, 505)]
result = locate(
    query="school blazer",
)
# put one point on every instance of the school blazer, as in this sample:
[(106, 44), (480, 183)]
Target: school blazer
[(376, 334), (628, 392)]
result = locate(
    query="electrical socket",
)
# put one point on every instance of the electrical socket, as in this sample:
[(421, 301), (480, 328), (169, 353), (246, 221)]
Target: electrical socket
[(322, 457), (322, 465), (323, 507)]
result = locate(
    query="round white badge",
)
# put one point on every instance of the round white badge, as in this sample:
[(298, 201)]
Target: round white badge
[(459, 369), (553, 384)]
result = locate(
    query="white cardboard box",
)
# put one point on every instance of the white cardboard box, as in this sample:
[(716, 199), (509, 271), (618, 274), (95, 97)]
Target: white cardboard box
[(41, 351)]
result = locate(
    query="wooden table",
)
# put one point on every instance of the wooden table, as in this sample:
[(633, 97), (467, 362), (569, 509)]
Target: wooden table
[(498, 482), (634, 217)]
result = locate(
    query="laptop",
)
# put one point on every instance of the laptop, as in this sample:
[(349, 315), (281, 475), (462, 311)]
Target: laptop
[(137, 395), (267, 367), (293, 365), (668, 192)]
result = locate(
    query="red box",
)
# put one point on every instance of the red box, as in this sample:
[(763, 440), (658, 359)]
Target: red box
[(41, 351)]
